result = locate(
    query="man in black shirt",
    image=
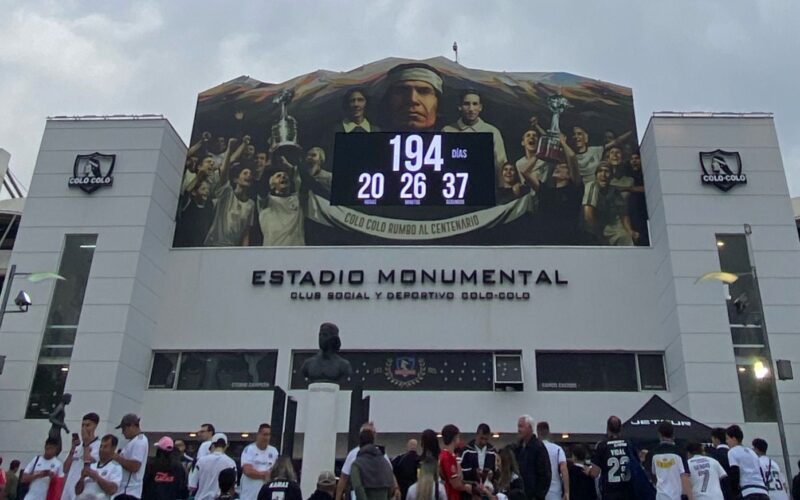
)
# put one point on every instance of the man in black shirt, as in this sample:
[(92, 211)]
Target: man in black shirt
[(405, 467), (479, 459), (559, 203), (533, 460), (611, 461), (720, 453)]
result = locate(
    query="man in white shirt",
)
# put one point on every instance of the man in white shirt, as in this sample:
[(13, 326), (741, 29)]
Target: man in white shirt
[(776, 485), (204, 435), (205, 483), (257, 461), (101, 479), (133, 458), (559, 473), (745, 471), (668, 466), (588, 157), (85, 449), (705, 473), (41, 469)]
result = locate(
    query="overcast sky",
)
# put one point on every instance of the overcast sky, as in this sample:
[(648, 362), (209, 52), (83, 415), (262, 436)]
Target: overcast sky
[(65, 57)]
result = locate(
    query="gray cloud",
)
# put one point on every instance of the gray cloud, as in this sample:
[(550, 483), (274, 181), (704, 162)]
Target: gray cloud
[(80, 58)]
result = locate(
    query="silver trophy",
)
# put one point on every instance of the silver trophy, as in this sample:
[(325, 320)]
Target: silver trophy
[(549, 147), (284, 133)]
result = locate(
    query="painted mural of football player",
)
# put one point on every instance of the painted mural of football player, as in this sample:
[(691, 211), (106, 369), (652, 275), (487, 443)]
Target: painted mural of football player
[(315, 159), (280, 214), (605, 212), (354, 106), (414, 93), (529, 162), (470, 109), (619, 177), (234, 209), (588, 157)]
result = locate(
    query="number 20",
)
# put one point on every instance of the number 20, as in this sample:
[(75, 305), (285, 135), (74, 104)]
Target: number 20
[(371, 186)]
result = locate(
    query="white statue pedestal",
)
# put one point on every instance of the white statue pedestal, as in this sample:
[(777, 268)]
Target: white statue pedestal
[(319, 440)]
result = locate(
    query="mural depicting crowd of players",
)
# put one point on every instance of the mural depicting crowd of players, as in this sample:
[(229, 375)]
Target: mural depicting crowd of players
[(567, 167)]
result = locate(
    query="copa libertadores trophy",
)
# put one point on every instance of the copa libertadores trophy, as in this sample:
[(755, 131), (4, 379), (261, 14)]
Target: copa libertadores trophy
[(284, 133), (549, 147)]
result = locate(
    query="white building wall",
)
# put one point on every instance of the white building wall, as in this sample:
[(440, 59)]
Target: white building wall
[(686, 216), (111, 355)]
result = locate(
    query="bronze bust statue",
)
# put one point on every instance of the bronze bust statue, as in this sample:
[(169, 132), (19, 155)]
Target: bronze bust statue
[(327, 365)]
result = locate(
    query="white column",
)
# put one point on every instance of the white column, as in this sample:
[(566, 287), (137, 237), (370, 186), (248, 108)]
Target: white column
[(319, 441)]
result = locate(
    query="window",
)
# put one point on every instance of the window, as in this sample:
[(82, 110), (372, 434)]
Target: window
[(217, 370), (755, 381), (600, 371), (165, 369), (62, 325), (652, 376), (745, 316), (9, 224)]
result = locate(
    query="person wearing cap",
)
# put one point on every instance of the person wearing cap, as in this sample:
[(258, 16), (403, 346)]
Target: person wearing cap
[(100, 479), (85, 449), (205, 482), (470, 109), (133, 457), (257, 461), (326, 486), (414, 92), (165, 477)]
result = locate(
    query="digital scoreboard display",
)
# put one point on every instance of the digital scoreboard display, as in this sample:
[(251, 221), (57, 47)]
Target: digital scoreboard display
[(413, 168)]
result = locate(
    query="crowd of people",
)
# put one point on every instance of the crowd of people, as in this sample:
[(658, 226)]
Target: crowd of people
[(438, 466), (238, 191)]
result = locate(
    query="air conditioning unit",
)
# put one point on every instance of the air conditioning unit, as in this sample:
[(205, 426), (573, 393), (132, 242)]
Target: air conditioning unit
[(508, 372)]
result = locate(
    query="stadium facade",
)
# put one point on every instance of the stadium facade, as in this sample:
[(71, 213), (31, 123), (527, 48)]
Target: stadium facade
[(435, 334)]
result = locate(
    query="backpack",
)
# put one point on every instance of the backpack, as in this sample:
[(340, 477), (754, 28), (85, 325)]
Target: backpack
[(22, 489)]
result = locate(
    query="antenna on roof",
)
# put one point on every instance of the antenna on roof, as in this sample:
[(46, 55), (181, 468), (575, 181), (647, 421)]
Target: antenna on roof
[(455, 50)]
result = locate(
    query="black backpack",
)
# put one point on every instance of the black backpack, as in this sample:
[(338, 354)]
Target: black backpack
[(22, 489)]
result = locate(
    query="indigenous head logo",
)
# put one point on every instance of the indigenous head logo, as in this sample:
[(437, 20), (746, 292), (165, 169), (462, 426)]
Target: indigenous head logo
[(722, 169), (92, 172), (405, 371)]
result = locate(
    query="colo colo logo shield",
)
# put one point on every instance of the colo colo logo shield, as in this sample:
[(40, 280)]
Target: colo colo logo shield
[(721, 168), (405, 371), (91, 172)]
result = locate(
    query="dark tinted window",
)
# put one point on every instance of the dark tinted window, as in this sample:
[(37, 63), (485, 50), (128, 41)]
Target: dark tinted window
[(236, 370), (572, 371), (651, 372), (165, 369), (62, 324)]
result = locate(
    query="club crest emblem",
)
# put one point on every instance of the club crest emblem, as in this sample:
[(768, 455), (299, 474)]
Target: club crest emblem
[(722, 169), (405, 371), (91, 172)]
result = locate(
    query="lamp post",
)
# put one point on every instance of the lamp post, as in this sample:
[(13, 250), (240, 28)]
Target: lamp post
[(23, 300), (773, 382), (760, 371)]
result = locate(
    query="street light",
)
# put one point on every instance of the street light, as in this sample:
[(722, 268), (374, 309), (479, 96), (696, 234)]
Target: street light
[(760, 369), (22, 300)]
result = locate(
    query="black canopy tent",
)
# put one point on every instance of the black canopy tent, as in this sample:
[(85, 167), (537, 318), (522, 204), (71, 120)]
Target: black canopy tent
[(643, 425)]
